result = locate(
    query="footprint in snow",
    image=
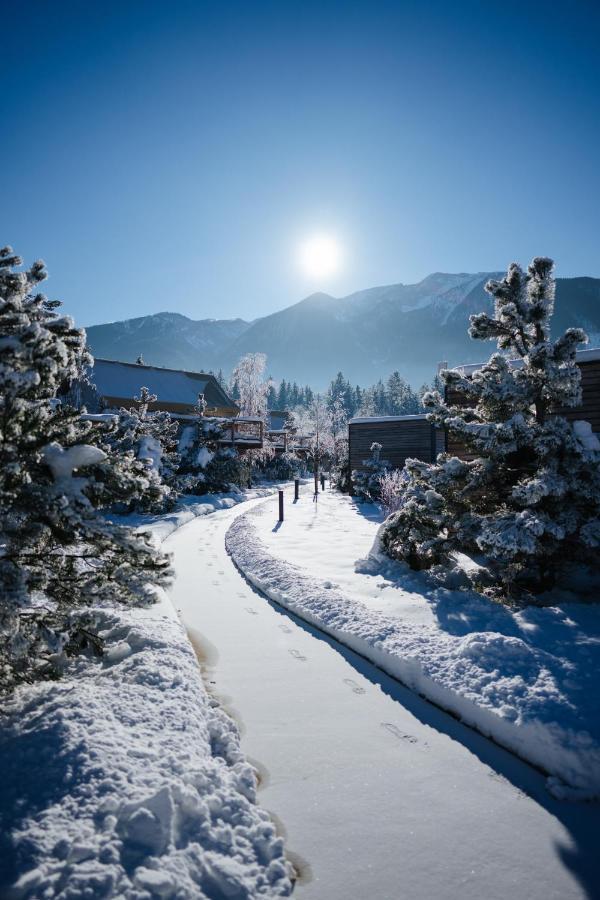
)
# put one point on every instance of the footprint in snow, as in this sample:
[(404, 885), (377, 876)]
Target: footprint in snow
[(355, 687), (401, 735), (284, 627), (220, 572), (297, 655), (251, 611), (216, 583)]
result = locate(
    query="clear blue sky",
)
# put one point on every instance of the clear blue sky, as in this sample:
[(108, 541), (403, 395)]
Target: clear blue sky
[(170, 156)]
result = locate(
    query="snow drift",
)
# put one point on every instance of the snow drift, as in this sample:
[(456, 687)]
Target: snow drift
[(125, 779), (524, 694)]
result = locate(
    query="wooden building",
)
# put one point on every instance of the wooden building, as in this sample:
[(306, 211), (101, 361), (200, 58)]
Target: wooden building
[(118, 383), (400, 437), (589, 409), (413, 436)]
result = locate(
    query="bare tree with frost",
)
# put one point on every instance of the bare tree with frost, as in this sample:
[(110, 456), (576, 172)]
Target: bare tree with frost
[(250, 386)]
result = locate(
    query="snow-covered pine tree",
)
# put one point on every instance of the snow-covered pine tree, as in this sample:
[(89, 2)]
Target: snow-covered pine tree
[(57, 472), (529, 500), (198, 445), (150, 436)]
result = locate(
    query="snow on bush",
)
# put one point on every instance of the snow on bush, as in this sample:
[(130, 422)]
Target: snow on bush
[(151, 437), (391, 488), (529, 498), (366, 482), (524, 678)]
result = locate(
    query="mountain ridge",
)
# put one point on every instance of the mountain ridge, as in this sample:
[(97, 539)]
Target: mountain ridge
[(366, 334)]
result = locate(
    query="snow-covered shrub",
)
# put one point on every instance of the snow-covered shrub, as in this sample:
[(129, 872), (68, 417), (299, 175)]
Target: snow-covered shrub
[(150, 436), (529, 500), (226, 471), (58, 472), (366, 482), (282, 467), (208, 467), (391, 487)]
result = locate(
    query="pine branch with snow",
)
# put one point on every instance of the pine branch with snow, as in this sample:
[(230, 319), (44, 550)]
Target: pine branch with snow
[(528, 494), (151, 437), (58, 474)]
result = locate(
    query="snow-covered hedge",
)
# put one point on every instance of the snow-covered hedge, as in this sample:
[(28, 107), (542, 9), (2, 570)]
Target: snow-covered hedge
[(526, 695)]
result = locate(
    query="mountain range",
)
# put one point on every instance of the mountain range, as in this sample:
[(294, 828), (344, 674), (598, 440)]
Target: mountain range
[(366, 335)]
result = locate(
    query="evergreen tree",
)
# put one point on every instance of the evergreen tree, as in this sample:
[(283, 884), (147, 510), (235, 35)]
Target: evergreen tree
[(150, 436), (530, 498), (271, 396), (282, 395), (57, 473)]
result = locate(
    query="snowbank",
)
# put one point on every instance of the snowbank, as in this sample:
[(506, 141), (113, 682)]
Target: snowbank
[(125, 779), (526, 679), (190, 507)]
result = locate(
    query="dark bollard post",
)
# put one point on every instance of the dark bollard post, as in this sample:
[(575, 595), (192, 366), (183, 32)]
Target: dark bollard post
[(296, 488), (322, 482), (281, 506)]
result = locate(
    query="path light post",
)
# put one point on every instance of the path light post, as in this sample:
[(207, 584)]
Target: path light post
[(296, 488), (281, 506)]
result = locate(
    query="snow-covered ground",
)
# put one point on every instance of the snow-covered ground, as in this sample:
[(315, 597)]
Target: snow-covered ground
[(380, 794), (125, 779), (527, 678)]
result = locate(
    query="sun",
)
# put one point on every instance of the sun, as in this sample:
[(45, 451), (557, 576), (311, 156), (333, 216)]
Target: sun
[(320, 256)]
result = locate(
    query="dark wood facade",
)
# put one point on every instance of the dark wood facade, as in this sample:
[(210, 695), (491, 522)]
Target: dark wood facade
[(401, 437), (589, 409)]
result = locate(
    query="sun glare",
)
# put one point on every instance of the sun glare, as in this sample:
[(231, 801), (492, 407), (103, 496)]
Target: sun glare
[(320, 256)]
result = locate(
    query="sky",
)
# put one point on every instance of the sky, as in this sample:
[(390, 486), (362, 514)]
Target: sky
[(175, 156)]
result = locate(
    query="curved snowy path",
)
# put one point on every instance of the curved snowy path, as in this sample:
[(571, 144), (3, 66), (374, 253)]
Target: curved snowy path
[(380, 795)]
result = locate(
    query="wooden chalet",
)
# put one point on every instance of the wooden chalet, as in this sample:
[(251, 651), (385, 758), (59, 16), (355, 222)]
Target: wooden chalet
[(589, 409), (402, 437), (117, 384)]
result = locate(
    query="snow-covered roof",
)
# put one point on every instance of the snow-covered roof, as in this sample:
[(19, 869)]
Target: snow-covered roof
[(124, 380), (367, 420), (583, 356)]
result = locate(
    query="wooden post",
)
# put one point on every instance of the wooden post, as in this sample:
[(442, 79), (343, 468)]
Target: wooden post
[(296, 488), (281, 506)]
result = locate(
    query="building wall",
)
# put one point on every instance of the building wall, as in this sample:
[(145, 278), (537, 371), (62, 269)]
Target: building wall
[(588, 410), (590, 389), (400, 438)]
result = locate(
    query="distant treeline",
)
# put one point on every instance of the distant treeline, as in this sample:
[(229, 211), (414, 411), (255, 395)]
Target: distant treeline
[(392, 397)]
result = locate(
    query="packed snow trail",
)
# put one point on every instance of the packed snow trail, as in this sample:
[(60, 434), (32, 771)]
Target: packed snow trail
[(379, 794)]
